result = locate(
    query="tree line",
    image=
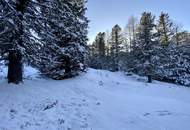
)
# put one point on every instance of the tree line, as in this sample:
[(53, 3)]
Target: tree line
[(156, 48), (49, 35)]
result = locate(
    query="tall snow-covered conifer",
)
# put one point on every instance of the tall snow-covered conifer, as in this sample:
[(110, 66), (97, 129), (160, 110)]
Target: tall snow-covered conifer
[(165, 29), (116, 41), (145, 41), (64, 53)]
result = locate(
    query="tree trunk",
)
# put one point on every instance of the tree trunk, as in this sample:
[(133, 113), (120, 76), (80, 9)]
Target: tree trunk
[(15, 56), (149, 78), (15, 67), (67, 68)]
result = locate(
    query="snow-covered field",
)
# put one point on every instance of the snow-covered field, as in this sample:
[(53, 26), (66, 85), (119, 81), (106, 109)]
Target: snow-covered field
[(97, 100)]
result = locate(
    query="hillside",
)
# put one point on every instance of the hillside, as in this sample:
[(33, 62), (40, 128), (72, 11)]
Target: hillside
[(97, 100)]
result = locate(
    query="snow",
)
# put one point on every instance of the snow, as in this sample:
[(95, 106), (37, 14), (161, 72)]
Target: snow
[(97, 100)]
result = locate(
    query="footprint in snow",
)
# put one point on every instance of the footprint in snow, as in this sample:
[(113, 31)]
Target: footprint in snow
[(106, 75), (117, 83), (159, 113), (163, 113), (146, 114), (98, 103), (13, 113), (100, 83)]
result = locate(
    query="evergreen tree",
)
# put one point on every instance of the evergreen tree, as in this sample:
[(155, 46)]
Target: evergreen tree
[(92, 60), (66, 48), (51, 34), (100, 44), (116, 41), (98, 52), (12, 35), (165, 29), (145, 42)]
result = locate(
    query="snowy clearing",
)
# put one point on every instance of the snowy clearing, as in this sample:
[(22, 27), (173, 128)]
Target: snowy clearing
[(97, 100)]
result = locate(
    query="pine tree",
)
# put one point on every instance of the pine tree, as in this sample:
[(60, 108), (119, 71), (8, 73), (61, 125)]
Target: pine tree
[(12, 19), (101, 44), (66, 48), (20, 24), (92, 60), (145, 42), (165, 29), (51, 35), (98, 55), (116, 41)]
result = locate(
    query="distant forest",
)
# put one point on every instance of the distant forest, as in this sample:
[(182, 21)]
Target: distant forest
[(156, 48)]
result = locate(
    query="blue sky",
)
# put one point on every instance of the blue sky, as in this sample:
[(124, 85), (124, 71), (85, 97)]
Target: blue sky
[(104, 14)]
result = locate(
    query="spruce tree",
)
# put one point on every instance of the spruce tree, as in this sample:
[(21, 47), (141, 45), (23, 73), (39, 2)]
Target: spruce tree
[(98, 51), (12, 19), (64, 53), (21, 23), (145, 42), (165, 29), (116, 41)]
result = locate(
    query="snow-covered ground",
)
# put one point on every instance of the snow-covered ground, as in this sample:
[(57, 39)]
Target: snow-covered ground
[(97, 100)]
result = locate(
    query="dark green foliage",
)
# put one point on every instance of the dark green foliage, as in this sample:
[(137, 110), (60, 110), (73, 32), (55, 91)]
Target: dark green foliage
[(143, 48), (50, 35), (66, 50), (97, 52)]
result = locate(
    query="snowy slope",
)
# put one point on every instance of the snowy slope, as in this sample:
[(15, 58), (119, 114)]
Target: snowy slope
[(97, 100)]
